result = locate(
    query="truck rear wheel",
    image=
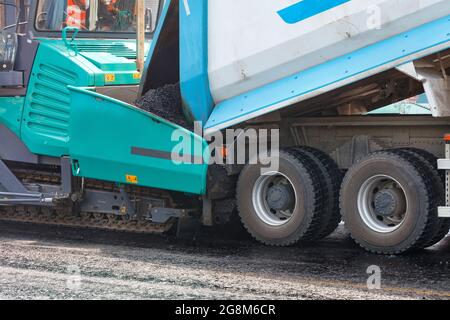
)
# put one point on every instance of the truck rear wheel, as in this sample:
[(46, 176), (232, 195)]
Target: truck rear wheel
[(424, 163), (331, 179), (439, 191), (282, 207), (387, 203)]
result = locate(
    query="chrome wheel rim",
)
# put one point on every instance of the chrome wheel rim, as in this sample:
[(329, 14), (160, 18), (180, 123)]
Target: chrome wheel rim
[(382, 204), (261, 191)]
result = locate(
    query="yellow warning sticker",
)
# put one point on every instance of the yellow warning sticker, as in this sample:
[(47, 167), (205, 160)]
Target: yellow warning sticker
[(110, 77), (132, 179), (137, 75)]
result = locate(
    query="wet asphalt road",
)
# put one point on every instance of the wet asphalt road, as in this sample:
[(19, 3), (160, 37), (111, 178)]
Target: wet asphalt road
[(47, 262)]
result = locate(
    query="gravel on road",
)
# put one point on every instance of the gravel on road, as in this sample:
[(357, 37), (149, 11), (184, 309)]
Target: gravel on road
[(43, 262)]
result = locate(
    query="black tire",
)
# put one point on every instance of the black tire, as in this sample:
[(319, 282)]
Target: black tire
[(417, 186), (424, 162), (431, 159), (439, 187), (443, 232), (331, 184), (302, 224), (319, 220)]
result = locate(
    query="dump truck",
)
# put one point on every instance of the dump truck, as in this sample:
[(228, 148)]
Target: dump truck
[(89, 133)]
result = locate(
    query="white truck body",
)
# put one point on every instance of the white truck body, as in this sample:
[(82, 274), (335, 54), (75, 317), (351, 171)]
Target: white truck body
[(250, 45)]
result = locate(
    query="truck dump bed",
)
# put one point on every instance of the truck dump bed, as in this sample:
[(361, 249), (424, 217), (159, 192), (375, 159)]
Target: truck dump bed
[(265, 55)]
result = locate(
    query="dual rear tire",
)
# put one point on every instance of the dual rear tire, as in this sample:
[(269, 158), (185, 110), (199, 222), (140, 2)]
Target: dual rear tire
[(388, 200), (297, 203)]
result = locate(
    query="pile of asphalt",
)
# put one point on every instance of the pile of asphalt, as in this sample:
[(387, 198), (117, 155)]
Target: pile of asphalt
[(165, 102)]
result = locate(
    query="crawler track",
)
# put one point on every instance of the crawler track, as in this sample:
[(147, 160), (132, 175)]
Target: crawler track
[(61, 217), (69, 216)]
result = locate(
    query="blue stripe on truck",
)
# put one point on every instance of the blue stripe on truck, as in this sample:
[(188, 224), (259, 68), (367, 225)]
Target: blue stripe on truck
[(308, 8)]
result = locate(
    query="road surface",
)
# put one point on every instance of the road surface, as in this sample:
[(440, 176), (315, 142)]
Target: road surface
[(47, 262)]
